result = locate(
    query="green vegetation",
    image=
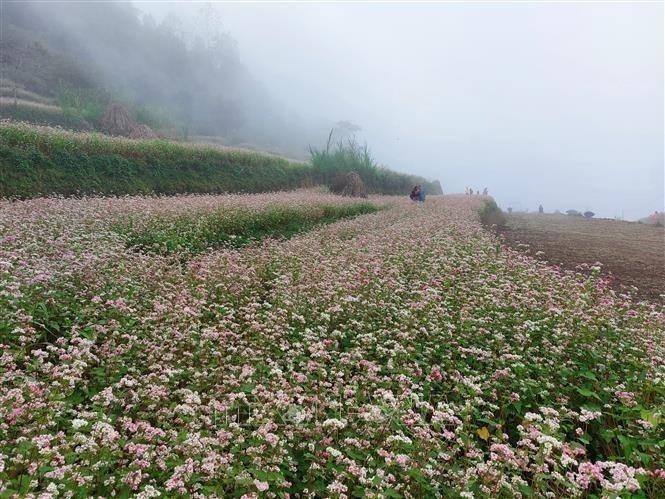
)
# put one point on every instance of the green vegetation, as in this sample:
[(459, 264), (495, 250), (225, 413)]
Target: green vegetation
[(37, 161), (11, 90), (41, 114), (115, 53), (491, 215), (329, 166), (502, 376), (193, 233), (87, 103)]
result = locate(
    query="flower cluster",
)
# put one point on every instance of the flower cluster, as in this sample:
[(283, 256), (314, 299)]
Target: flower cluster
[(404, 353)]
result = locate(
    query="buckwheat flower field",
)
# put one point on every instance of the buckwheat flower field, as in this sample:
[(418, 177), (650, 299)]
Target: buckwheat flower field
[(400, 353)]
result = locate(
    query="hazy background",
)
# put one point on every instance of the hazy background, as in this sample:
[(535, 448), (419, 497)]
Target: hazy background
[(559, 104)]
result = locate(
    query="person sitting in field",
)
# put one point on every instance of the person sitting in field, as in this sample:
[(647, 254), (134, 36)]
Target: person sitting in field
[(421, 195), (415, 193)]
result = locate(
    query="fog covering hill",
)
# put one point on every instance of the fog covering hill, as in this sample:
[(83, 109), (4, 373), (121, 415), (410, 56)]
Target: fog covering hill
[(84, 55)]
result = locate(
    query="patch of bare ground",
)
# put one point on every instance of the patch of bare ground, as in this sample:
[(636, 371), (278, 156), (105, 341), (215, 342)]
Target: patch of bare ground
[(632, 253)]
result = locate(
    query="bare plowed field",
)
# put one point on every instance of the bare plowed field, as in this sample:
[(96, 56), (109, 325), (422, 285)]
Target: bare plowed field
[(633, 253)]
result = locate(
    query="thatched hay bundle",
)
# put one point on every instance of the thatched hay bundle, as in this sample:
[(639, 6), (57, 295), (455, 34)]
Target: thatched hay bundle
[(117, 121), (142, 132), (351, 185)]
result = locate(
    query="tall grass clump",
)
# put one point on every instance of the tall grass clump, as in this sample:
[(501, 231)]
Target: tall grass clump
[(330, 165)]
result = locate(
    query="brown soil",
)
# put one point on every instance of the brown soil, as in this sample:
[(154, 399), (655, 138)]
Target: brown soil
[(633, 253)]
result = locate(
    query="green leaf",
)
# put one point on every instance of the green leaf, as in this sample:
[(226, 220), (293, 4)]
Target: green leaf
[(653, 416), (526, 490), (588, 393)]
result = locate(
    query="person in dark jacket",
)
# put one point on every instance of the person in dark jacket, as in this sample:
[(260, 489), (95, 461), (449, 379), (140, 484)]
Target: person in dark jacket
[(421, 194)]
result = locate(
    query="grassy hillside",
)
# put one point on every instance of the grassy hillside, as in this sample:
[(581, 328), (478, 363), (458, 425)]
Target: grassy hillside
[(82, 56), (39, 160), (41, 114)]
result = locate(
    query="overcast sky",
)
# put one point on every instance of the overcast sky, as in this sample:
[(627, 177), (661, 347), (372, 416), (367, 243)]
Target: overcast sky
[(559, 104)]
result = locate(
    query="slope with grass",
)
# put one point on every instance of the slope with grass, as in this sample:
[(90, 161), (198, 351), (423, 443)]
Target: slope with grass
[(40, 160)]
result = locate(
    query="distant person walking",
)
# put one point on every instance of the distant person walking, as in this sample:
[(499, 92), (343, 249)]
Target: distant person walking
[(421, 194), (485, 191), (540, 209), (415, 193)]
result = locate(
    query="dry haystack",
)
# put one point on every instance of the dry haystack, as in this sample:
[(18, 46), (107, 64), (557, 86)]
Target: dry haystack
[(142, 132), (354, 186), (117, 121)]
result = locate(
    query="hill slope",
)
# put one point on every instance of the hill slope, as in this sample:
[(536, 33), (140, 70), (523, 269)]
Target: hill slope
[(40, 161)]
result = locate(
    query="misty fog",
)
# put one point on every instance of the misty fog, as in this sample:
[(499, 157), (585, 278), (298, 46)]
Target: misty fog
[(559, 104), (542, 103)]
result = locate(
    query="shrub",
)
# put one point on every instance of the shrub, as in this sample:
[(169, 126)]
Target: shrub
[(331, 165), (589, 214), (491, 215), (573, 213)]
